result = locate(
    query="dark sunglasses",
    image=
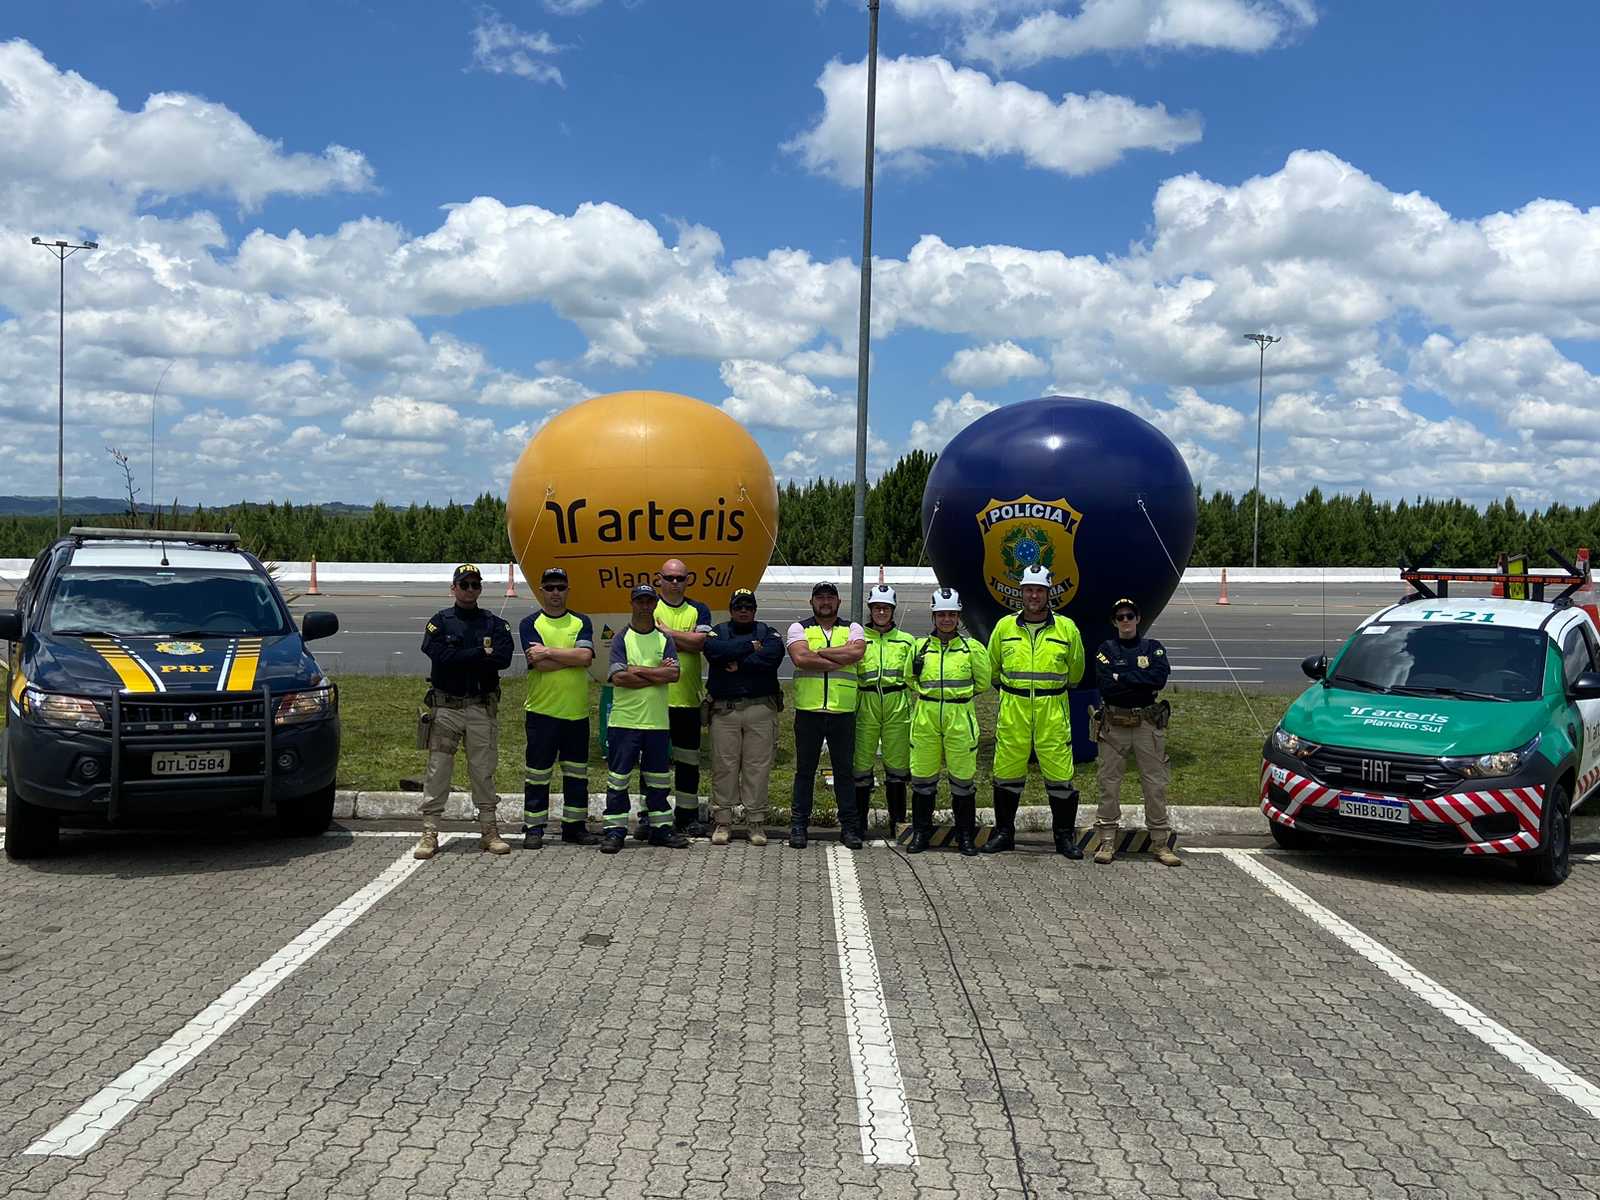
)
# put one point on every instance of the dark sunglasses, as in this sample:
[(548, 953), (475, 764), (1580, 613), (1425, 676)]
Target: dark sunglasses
[(1127, 616), (554, 587), (675, 579), (471, 586)]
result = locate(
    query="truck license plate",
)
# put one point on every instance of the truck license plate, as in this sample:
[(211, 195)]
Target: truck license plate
[(190, 762), (1396, 812)]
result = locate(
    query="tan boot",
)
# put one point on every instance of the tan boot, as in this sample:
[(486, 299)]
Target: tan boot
[(489, 837), (758, 835), (721, 835), (1162, 853), (428, 843), (1108, 845)]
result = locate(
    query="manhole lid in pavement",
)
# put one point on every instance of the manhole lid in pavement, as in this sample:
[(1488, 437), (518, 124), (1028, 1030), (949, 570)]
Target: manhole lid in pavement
[(596, 939)]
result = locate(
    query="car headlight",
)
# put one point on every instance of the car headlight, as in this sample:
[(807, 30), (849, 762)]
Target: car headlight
[(63, 712), (296, 708), (1290, 743), (1493, 766)]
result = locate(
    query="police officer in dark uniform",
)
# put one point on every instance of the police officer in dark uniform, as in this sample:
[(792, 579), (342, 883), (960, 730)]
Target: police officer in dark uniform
[(468, 647), (1130, 671)]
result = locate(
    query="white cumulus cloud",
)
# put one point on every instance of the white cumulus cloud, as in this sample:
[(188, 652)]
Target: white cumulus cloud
[(500, 48), (949, 417), (992, 365)]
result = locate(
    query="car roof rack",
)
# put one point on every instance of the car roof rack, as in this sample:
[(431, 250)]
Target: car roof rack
[(92, 533), (1433, 583)]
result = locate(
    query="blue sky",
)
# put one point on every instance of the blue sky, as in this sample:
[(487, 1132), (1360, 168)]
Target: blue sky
[(1088, 196)]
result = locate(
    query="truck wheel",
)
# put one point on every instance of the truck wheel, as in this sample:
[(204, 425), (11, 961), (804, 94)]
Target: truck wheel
[(1549, 864), (1292, 837), (31, 831), (306, 816)]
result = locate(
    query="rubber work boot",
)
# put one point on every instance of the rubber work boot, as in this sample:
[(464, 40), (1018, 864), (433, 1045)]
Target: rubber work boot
[(687, 822), (965, 811), (1109, 836), (428, 843), (1064, 822), (1004, 836), (850, 836), (533, 839), (613, 841), (864, 812), (489, 837), (672, 839), (577, 834), (797, 836), (1163, 853), (721, 835), (895, 795), (921, 822)]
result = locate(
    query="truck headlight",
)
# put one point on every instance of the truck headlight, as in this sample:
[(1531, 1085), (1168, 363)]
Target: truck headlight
[(1290, 743), (296, 708), (62, 712), (1493, 766)]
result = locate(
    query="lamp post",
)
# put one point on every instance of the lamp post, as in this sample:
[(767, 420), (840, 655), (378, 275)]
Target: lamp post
[(62, 251), (858, 527), (1262, 340)]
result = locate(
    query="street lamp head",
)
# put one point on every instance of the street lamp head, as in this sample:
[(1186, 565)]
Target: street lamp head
[(91, 245), (35, 241)]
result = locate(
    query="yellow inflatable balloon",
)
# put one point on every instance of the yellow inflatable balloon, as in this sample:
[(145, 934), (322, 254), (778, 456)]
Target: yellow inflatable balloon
[(613, 486)]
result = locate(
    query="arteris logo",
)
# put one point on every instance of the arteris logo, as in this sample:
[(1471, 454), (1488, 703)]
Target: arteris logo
[(1026, 532)]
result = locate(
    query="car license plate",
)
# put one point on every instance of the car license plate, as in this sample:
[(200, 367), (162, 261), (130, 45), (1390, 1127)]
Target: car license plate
[(1396, 812), (190, 762)]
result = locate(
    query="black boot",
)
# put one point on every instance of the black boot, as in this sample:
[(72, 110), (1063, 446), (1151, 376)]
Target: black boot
[(895, 794), (863, 808), (1004, 837), (576, 833), (965, 811), (533, 839), (921, 822), (1064, 822), (687, 822), (797, 836)]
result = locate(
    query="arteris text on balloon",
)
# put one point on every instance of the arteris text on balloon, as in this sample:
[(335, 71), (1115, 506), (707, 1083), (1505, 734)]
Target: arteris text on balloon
[(660, 524)]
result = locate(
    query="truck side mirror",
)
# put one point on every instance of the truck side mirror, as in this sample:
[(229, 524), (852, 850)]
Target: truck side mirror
[(1587, 687), (316, 625), (1315, 666), (10, 625)]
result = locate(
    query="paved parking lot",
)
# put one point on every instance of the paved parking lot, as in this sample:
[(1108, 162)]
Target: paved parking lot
[(236, 1016)]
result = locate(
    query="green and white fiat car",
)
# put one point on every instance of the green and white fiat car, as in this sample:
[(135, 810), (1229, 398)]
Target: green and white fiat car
[(1469, 726)]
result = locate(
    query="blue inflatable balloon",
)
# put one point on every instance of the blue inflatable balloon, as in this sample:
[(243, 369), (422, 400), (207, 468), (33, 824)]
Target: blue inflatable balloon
[(1091, 491)]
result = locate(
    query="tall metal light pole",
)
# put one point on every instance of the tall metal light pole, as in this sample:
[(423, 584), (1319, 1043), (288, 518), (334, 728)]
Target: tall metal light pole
[(858, 527), (62, 251), (1262, 340)]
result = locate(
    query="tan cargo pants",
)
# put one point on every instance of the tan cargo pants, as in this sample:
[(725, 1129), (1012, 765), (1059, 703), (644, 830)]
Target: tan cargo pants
[(476, 725), (1148, 745), (744, 741)]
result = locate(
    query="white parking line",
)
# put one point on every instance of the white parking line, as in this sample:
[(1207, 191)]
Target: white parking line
[(101, 1113), (1556, 1076), (886, 1134)]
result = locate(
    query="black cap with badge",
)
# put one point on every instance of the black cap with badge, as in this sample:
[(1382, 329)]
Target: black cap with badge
[(467, 571), (742, 598), (553, 575), (643, 590)]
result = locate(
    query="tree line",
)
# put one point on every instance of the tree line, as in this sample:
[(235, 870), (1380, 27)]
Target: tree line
[(814, 521)]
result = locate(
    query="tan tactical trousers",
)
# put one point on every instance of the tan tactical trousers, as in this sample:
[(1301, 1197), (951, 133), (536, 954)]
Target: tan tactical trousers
[(476, 725), (1149, 748), (743, 745)]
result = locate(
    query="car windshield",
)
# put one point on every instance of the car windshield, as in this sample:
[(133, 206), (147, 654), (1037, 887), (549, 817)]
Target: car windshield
[(1445, 658), (146, 603)]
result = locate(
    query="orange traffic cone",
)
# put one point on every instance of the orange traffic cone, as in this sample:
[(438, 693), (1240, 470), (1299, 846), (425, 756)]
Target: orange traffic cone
[(511, 579), (313, 590), (1223, 597)]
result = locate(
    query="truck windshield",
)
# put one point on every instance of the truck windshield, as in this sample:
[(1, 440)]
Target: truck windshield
[(156, 602), (1445, 658)]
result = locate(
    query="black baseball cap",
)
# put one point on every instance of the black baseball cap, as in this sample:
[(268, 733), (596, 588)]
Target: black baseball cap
[(643, 590), (742, 598), (1125, 603), (466, 571), (824, 589), (553, 575)]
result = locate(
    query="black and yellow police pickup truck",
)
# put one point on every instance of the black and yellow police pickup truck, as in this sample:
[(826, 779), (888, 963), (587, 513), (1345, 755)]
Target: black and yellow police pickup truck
[(161, 673)]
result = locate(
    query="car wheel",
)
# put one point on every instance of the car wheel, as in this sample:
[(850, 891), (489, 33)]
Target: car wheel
[(306, 816), (31, 831), (1292, 837), (1549, 864)]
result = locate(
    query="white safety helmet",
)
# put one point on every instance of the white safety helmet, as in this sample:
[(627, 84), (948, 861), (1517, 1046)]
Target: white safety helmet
[(946, 600), (881, 593), (1035, 576)]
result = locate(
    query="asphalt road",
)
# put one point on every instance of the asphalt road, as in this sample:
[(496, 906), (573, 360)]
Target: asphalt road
[(1258, 640), (236, 1016)]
